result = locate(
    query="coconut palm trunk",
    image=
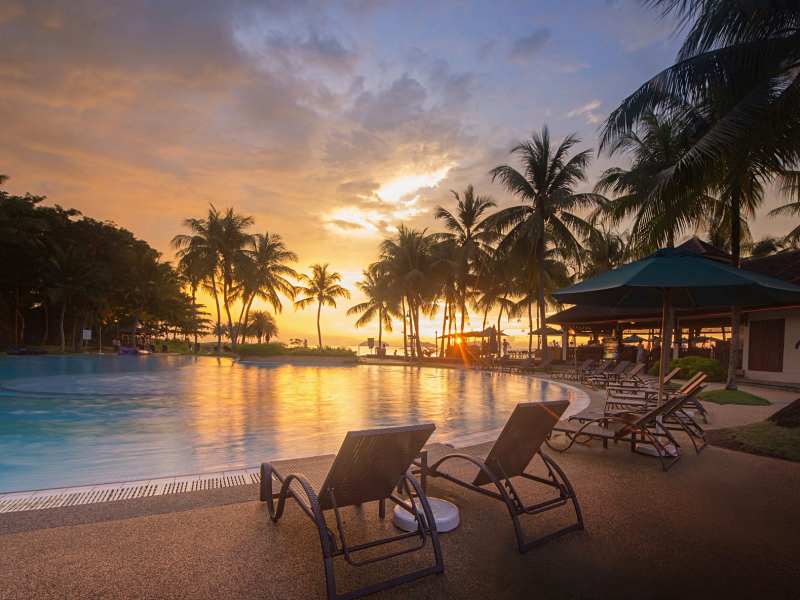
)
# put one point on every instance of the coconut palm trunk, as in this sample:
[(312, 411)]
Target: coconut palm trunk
[(219, 314), (405, 333), (319, 330), (444, 328), (736, 251), (61, 326), (380, 328), (540, 283)]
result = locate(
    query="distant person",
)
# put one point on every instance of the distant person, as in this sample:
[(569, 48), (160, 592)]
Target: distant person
[(505, 347), (641, 355)]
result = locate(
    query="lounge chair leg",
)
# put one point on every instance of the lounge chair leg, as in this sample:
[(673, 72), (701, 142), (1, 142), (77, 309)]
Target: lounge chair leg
[(568, 485), (382, 508)]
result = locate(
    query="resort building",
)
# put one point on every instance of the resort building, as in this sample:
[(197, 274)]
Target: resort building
[(769, 335)]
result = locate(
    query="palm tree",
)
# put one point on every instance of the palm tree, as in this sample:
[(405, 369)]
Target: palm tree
[(193, 268), (547, 217), (68, 269), (200, 248), (321, 287), (659, 213), (604, 250), (381, 301), (262, 325), (471, 236), (737, 68), (264, 274), (410, 262), (791, 185), (231, 243)]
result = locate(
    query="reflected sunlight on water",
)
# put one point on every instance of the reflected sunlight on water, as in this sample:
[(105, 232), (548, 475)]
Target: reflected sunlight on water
[(84, 419)]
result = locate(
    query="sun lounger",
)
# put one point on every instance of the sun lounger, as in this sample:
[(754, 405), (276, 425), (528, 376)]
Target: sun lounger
[(677, 419), (639, 385), (631, 376), (649, 397), (575, 374), (635, 429), (607, 376), (602, 367), (514, 450), (369, 467)]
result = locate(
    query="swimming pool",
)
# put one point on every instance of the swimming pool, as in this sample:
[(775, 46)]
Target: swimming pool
[(74, 420)]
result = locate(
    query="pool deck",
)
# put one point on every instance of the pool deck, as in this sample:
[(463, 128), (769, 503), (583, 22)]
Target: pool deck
[(719, 524)]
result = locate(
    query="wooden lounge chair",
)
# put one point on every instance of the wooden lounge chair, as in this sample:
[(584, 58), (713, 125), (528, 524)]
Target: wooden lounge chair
[(517, 445), (639, 385), (575, 374), (369, 467), (607, 376), (649, 397), (602, 367), (636, 429), (631, 376)]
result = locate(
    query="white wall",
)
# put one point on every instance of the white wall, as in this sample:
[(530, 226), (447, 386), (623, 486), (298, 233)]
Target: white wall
[(791, 355)]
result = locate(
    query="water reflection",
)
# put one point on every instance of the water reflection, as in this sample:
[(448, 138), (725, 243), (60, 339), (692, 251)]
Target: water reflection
[(77, 420)]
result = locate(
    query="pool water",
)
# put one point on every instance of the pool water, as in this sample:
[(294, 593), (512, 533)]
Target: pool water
[(78, 420)]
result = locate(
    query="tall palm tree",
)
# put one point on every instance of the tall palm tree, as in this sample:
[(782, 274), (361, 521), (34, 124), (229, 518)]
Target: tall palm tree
[(410, 261), (470, 234), (791, 185), (264, 274), (322, 287), (381, 302), (547, 217), (604, 249), (200, 248), (738, 68), (659, 213), (261, 324), (231, 243), (193, 268)]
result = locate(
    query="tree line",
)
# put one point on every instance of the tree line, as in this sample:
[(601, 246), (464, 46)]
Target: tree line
[(62, 272)]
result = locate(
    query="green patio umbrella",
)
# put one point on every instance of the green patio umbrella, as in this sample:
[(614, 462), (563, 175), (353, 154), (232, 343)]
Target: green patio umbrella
[(676, 278), (633, 339)]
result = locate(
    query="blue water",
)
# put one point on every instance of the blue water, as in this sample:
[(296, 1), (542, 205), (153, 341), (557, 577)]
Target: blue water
[(74, 420)]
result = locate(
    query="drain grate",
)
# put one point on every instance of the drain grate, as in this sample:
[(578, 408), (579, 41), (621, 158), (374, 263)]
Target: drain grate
[(92, 494)]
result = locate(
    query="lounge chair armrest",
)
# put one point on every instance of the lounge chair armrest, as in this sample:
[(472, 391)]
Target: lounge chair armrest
[(266, 493)]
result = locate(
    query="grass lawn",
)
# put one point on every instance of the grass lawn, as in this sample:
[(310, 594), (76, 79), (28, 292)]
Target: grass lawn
[(733, 397), (763, 438)]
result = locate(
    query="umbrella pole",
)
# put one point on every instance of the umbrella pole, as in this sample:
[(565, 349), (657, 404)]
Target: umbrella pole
[(664, 357)]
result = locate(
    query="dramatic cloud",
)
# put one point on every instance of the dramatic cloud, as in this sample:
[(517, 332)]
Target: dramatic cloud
[(526, 47), (587, 111)]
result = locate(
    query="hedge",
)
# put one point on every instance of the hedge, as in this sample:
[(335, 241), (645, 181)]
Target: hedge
[(691, 365)]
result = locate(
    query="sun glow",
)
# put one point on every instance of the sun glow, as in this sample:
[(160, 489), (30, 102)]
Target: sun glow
[(394, 202), (397, 189)]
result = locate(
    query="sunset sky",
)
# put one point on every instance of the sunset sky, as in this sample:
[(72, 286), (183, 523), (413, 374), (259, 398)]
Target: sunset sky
[(330, 123)]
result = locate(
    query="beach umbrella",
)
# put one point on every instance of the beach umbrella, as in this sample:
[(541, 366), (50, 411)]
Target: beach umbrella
[(633, 339), (546, 331), (675, 278)]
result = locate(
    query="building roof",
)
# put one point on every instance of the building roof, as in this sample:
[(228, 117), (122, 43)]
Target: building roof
[(698, 246), (781, 265)]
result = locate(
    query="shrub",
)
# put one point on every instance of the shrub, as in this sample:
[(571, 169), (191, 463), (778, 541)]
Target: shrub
[(692, 365), (278, 349)]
